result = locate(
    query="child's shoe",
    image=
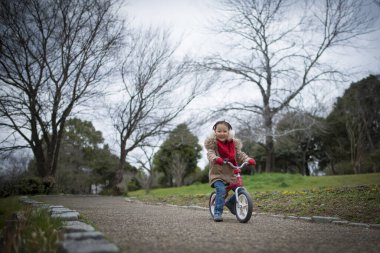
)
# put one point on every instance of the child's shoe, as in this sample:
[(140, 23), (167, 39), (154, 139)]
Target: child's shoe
[(218, 218)]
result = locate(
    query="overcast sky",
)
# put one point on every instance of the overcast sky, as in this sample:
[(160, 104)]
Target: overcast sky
[(189, 21)]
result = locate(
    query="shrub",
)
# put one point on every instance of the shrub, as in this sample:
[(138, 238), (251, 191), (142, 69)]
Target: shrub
[(341, 168), (31, 186)]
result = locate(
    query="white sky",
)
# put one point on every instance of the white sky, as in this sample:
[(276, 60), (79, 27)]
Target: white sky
[(185, 18), (189, 21)]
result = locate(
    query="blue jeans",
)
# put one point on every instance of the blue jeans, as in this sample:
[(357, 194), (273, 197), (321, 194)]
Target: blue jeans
[(220, 189)]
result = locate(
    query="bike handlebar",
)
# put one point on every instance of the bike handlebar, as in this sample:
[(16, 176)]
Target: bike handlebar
[(236, 167)]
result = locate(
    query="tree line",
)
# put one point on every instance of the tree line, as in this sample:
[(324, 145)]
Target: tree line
[(85, 162), (346, 141), (58, 57)]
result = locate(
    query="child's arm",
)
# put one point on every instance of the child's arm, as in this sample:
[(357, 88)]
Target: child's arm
[(241, 157), (211, 150)]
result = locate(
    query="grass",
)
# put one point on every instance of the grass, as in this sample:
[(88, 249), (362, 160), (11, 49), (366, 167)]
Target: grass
[(7, 207), (351, 197), (36, 231), (40, 232), (352, 203)]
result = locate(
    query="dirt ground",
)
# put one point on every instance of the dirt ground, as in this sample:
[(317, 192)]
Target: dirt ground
[(139, 227)]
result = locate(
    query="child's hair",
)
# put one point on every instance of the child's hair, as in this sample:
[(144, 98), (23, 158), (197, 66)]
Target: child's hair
[(223, 122)]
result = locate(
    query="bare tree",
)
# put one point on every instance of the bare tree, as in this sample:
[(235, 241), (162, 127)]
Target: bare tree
[(146, 175), (155, 90), (53, 56), (178, 169), (12, 169), (277, 48), (358, 132), (356, 135)]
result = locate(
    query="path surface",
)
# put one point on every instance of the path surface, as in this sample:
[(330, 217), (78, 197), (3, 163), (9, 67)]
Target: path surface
[(138, 227)]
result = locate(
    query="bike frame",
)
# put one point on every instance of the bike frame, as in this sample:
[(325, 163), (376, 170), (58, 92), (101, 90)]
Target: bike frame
[(239, 179)]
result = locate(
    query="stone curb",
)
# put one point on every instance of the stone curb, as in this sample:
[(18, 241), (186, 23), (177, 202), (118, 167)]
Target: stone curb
[(313, 219), (77, 226), (78, 237)]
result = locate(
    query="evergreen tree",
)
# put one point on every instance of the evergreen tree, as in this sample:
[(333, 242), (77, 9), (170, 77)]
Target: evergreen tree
[(83, 160), (354, 126), (298, 140), (178, 156)]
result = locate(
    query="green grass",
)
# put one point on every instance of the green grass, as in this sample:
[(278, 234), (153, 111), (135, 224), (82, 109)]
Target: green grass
[(352, 197), (35, 232), (352, 203), (40, 232), (271, 182), (7, 207), (294, 182)]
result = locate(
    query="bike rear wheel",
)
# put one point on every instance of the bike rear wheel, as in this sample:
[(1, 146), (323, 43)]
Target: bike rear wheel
[(244, 207), (211, 203)]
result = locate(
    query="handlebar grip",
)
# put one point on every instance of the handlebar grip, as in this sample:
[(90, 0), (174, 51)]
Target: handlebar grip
[(244, 164)]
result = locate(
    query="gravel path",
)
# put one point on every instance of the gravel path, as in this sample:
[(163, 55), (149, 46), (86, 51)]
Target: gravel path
[(138, 227)]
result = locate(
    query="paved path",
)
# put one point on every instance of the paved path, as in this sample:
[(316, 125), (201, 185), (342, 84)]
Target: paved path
[(138, 227)]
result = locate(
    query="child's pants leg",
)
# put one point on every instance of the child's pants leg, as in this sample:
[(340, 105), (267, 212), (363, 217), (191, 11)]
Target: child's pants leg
[(232, 200), (219, 199)]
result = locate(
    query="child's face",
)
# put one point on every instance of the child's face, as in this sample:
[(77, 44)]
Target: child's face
[(222, 132)]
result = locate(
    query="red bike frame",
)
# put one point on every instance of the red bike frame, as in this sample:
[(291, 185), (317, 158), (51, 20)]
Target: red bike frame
[(239, 179)]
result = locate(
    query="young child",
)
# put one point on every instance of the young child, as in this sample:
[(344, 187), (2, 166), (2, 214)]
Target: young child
[(222, 145)]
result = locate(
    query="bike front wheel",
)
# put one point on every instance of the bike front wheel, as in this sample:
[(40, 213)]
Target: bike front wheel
[(244, 207)]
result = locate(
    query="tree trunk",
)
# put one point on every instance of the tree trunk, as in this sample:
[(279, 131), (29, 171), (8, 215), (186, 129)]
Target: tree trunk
[(303, 163), (269, 147), (269, 144), (119, 172), (51, 157), (333, 168), (40, 159), (149, 183)]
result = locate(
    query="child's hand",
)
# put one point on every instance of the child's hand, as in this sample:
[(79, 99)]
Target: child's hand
[(252, 162), (219, 161)]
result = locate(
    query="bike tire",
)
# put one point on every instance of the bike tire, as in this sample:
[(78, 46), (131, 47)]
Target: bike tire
[(211, 203), (244, 207)]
